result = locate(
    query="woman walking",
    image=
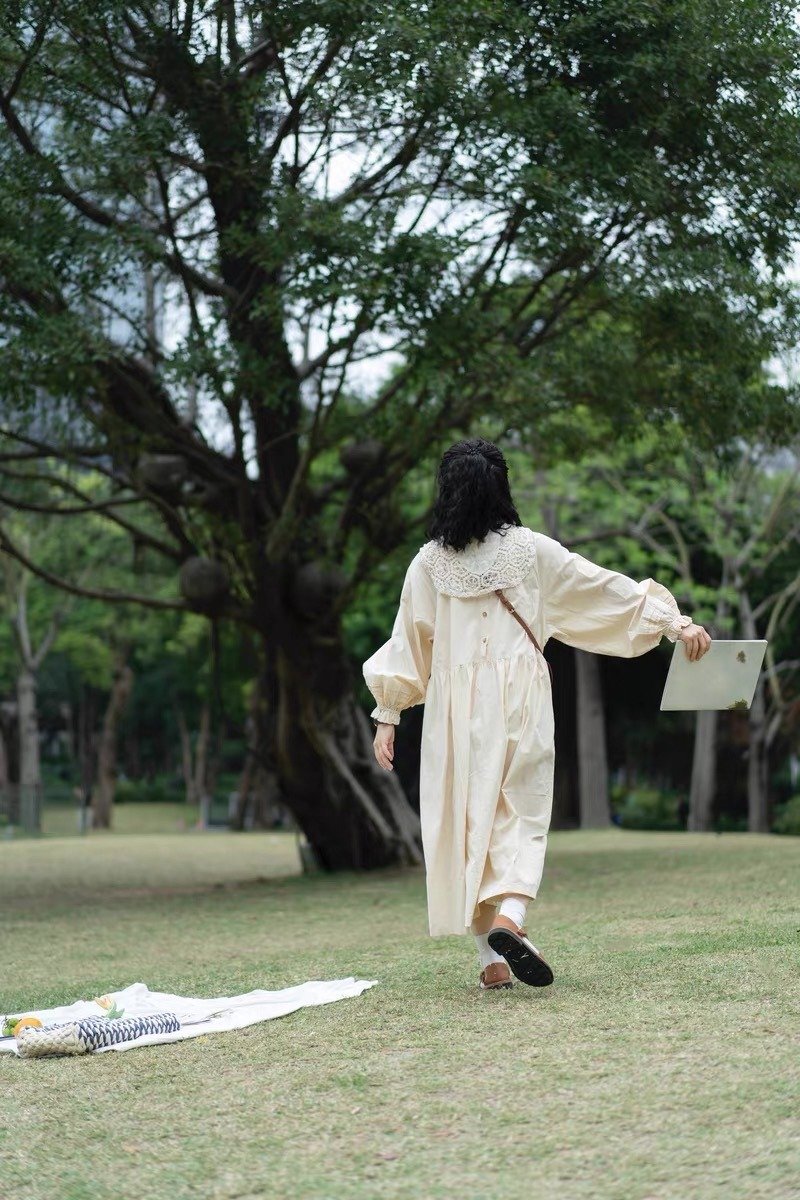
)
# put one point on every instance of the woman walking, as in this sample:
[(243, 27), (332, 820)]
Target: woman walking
[(479, 601)]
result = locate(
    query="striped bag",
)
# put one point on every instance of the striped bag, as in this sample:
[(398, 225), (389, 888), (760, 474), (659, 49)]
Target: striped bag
[(92, 1033)]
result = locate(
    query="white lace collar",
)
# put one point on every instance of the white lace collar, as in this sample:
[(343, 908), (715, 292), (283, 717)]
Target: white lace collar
[(502, 559)]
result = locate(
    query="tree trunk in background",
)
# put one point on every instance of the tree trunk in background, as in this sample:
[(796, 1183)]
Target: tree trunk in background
[(201, 780), (5, 780), (704, 772), (106, 779), (266, 798), (592, 758), (30, 775), (133, 753), (85, 741), (259, 793), (8, 723), (703, 785), (758, 806), (30, 660), (354, 814), (68, 736), (238, 816), (566, 811), (186, 758)]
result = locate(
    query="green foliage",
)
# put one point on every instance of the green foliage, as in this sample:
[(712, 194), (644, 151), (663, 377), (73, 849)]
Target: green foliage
[(645, 808), (522, 221), (88, 652), (140, 791), (502, 193), (787, 818)]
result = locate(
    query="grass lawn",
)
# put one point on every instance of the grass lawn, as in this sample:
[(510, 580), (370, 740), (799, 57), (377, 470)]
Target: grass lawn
[(61, 820), (664, 1062)]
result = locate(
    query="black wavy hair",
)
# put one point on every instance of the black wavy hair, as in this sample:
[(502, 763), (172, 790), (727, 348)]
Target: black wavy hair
[(473, 497)]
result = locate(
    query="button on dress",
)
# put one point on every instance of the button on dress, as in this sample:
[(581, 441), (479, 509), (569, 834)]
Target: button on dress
[(487, 755)]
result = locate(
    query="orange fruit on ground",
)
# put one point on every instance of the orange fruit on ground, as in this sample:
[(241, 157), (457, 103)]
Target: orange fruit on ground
[(27, 1023)]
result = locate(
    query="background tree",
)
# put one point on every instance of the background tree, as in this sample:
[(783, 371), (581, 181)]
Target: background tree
[(724, 535), (745, 519), (442, 191), (33, 635)]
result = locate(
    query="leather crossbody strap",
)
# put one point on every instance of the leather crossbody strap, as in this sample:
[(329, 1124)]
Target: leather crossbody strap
[(504, 600)]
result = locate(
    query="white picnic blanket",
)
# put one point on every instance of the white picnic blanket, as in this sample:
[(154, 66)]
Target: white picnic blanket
[(195, 1015)]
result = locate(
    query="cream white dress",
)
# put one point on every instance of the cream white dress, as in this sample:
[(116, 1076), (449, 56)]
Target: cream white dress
[(486, 772)]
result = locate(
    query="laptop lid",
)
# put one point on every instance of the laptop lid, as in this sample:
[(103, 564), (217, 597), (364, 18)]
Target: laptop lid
[(725, 677)]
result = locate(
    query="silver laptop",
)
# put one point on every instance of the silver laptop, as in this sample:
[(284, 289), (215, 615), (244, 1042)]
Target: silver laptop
[(725, 677)]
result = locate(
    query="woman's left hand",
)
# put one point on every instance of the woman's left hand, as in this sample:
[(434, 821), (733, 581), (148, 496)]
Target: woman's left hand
[(384, 746)]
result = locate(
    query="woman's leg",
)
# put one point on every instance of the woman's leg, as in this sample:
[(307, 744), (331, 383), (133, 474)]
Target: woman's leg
[(482, 923), (508, 938), (514, 907), (486, 954), (484, 917)]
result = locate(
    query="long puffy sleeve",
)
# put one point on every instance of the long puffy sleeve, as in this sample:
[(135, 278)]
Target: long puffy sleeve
[(398, 673), (592, 608)]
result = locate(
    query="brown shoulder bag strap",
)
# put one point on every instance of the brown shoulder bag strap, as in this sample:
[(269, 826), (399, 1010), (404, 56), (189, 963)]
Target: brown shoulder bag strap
[(504, 600)]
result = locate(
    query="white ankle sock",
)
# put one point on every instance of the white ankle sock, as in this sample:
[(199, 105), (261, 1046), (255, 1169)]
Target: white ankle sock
[(485, 952), (515, 908)]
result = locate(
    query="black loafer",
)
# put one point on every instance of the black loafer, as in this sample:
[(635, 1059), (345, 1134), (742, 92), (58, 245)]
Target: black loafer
[(521, 955)]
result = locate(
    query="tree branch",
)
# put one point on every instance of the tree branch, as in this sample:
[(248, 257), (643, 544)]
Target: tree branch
[(103, 507), (20, 624), (29, 56), (100, 216), (10, 548), (319, 72), (48, 639), (404, 156)]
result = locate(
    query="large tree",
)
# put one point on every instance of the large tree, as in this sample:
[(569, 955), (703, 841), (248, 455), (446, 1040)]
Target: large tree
[(265, 257)]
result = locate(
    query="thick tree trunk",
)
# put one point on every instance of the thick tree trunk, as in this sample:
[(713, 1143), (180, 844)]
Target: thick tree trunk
[(30, 775), (259, 802), (354, 814), (266, 798), (592, 758), (106, 779), (258, 733), (704, 772)]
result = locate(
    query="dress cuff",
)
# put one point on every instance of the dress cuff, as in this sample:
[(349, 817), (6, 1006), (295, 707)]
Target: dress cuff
[(387, 716), (680, 622), (664, 619)]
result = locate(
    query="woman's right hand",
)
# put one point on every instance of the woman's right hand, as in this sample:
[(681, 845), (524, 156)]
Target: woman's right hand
[(384, 746), (697, 641)]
